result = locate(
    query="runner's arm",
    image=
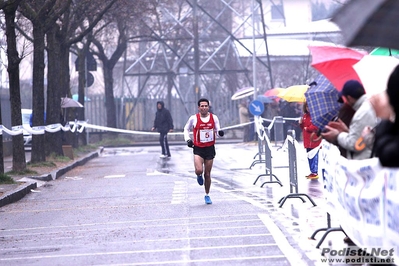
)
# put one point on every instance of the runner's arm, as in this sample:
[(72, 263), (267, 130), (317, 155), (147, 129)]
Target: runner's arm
[(217, 126), (188, 127)]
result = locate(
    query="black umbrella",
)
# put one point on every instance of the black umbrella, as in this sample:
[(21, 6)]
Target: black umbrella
[(369, 23)]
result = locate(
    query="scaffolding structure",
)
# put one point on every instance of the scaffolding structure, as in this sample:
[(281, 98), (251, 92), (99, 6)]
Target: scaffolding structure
[(191, 51)]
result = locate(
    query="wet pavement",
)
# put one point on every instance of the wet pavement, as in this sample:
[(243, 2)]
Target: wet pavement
[(234, 174)]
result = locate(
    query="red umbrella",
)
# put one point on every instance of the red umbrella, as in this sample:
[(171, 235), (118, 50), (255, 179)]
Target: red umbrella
[(272, 93), (336, 63)]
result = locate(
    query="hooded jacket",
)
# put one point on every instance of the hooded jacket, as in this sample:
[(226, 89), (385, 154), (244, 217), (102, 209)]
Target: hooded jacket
[(163, 121)]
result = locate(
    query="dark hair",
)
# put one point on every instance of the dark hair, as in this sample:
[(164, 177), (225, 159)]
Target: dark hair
[(393, 91), (351, 88), (305, 104), (203, 100)]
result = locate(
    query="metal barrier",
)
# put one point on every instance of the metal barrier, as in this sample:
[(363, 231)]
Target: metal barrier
[(327, 230), (268, 164), (292, 163), (278, 129), (260, 132)]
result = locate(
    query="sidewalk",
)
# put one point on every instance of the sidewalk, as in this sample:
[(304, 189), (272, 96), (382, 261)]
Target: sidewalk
[(10, 193)]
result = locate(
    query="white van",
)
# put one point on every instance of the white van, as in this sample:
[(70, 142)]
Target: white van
[(26, 113)]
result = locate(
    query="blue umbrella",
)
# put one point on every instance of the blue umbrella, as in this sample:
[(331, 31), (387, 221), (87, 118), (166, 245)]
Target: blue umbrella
[(264, 99), (322, 102)]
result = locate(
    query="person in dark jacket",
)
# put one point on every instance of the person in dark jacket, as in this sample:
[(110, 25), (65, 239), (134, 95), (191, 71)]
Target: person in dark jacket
[(163, 123), (386, 143)]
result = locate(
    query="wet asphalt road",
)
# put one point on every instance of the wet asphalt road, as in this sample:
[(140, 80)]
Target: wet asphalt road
[(129, 207)]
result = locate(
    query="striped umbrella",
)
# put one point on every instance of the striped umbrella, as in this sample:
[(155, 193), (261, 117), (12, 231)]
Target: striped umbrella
[(322, 102)]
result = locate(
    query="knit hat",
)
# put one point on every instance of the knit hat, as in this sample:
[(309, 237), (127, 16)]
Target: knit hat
[(351, 88)]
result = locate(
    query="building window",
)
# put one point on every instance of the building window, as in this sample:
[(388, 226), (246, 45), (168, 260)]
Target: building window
[(277, 11)]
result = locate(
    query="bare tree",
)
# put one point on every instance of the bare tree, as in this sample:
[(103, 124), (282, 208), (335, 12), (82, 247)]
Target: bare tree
[(121, 22), (19, 162), (42, 14), (60, 36)]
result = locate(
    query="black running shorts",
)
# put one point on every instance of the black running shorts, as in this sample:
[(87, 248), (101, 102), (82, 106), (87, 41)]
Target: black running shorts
[(206, 153)]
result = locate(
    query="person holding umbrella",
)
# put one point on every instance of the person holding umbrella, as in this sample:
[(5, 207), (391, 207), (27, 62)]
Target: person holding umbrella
[(310, 141)]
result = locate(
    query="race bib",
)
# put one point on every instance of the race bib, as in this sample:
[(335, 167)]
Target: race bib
[(206, 135)]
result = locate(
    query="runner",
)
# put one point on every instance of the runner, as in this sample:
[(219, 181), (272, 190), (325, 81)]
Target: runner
[(203, 142)]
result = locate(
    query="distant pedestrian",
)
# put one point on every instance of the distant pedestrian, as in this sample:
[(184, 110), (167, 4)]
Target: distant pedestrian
[(244, 119), (205, 127), (163, 123), (310, 141)]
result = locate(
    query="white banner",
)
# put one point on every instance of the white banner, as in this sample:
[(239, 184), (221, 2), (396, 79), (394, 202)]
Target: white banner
[(363, 196)]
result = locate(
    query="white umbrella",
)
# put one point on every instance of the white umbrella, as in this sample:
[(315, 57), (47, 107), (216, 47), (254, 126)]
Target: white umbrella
[(374, 72), (242, 93), (69, 103)]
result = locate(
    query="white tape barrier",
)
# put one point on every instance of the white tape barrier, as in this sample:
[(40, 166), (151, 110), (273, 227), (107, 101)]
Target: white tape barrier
[(363, 196), (39, 130), (80, 125)]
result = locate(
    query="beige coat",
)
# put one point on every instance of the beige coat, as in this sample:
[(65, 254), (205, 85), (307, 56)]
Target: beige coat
[(244, 113)]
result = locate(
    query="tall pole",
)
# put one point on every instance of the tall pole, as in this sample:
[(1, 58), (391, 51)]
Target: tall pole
[(196, 53), (254, 50)]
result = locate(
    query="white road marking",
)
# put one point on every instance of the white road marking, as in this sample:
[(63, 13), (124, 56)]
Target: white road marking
[(114, 176), (292, 255), (152, 251), (73, 177), (157, 222), (179, 194)]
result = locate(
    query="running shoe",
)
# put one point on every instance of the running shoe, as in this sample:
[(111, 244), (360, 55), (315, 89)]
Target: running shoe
[(208, 200), (313, 176), (200, 180), (163, 156)]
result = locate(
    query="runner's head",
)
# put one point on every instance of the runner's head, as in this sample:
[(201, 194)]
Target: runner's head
[(203, 106)]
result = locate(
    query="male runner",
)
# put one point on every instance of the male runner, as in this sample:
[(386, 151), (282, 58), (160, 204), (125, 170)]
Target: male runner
[(205, 126)]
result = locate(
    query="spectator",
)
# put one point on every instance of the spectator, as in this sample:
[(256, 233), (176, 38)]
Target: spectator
[(271, 110), (244, 118), (163, 123), (386, 145), (310, 142), (365, 116), (291, 114)]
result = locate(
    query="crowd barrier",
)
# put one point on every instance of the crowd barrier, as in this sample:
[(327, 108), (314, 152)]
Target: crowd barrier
[(364, 197), (264, 148), (293, 171)]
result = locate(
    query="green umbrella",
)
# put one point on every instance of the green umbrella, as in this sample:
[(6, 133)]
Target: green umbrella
[(384, 51)]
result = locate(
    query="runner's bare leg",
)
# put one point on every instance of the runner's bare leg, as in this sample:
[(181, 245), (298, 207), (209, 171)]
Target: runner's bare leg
[(207, 174), (198, 164)]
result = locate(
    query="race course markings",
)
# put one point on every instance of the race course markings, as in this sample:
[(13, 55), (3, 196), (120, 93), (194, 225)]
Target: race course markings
[(114, 176)]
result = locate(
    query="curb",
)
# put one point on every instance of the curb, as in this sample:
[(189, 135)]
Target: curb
[(21, 190), (17, 194)]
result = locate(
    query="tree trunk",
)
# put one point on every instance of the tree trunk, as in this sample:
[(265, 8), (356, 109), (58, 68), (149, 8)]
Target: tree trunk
[(54, 113), (109, 95), (18, 150), (82, 69), (38, 151)]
